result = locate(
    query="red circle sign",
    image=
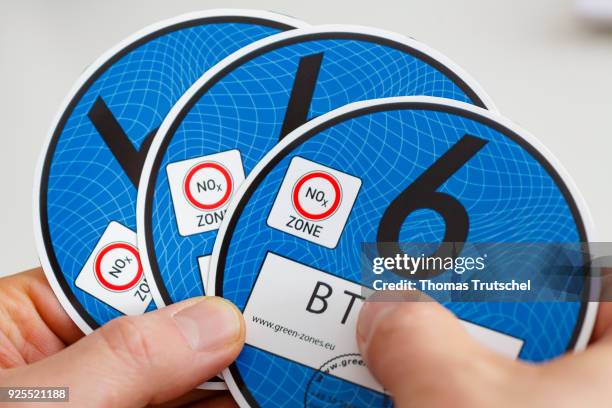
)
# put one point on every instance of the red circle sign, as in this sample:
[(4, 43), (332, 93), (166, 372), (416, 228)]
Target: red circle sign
[(198, 203), (100, 258), (316, 216)]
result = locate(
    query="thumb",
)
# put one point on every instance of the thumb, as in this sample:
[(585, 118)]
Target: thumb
[(422, 355), (140, 360)]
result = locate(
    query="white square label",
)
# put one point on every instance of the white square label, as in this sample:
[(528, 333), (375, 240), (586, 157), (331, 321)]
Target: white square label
[(202, 188), (310, 316), (113, 272), (314, 202)]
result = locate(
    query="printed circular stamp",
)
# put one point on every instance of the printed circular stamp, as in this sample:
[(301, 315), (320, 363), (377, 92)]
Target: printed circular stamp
[(326, 388)]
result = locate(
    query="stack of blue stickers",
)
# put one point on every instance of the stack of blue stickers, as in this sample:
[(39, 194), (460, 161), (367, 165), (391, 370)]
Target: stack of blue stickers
[(236, 154), (241, 108)]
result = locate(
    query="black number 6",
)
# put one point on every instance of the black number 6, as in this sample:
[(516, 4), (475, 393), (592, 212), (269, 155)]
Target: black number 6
[(422, 194)]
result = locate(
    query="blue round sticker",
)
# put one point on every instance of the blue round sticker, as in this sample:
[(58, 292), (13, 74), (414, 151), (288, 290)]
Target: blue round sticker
[(241, 108), (91, 167), (289, 255)]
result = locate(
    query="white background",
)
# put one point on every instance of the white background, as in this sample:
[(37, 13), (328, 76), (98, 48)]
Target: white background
[(546, 69)]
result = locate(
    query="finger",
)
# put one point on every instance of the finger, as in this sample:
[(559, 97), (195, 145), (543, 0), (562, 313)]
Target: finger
[(190, 398), (583, 378), (422, 355), (603, 324), (32, 322), (222, 401), (148, 359), (49, 308)]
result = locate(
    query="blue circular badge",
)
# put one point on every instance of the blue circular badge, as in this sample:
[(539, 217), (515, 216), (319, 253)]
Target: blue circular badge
[(240, 109), (90, 169), (411, 169)]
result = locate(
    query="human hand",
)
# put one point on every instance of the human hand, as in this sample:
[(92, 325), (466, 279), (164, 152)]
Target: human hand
[(131, 361), (422, 355)]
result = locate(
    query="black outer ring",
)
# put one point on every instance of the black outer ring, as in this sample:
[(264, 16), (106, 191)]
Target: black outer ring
[(148, 210), (57, 271), (383, 108)]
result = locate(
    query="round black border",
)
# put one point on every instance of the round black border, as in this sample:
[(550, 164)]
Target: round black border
[(76, 98), (386, 107), (178, 119)]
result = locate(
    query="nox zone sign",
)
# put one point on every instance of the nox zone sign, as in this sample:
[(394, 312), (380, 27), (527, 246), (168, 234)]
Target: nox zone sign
[(239, 110), (398, 170), (91, 168), (201, 189), (308, 198)]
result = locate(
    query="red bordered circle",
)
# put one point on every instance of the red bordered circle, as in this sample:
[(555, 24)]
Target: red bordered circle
[(206, 165), (327, 177), (98, 263)]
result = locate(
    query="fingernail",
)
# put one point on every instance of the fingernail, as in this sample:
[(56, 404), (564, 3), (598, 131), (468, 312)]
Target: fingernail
[(210, 324)]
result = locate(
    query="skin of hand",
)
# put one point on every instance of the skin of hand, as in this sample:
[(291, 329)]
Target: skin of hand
[(157, 358), (416, 349), (422, 355)]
